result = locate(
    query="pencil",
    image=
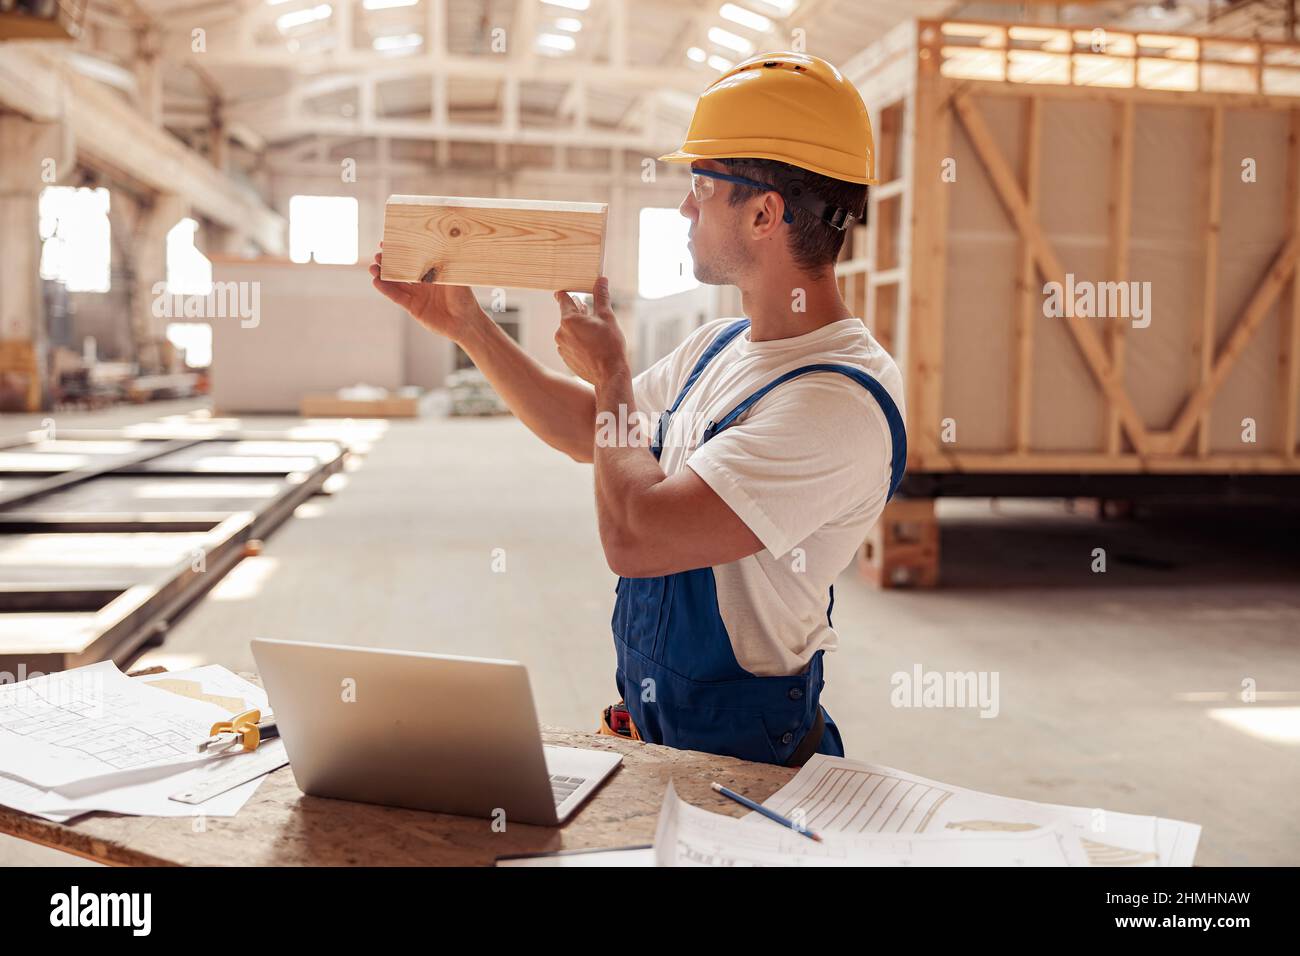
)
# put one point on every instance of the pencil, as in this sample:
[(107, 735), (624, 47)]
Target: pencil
[(770, 814)]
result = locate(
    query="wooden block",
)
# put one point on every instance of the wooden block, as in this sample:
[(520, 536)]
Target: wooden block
[(510, 243), (50, 21), (19, 357), (903, 547)]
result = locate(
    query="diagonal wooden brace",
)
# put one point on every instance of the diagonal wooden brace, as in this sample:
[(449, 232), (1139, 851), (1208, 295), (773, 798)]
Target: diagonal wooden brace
[(1013, 199)]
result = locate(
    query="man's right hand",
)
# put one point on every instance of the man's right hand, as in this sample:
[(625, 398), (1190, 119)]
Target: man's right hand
[(449, 310), (557, 408)]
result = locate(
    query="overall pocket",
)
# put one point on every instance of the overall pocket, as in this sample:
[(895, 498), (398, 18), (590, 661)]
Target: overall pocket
[(665, 615), (638, 612)]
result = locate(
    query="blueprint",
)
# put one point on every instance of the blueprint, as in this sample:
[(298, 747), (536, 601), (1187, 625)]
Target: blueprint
[(690, 836), (836, 795)]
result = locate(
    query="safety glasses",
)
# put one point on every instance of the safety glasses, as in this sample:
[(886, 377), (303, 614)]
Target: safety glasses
[(703, 185), (702, 182)]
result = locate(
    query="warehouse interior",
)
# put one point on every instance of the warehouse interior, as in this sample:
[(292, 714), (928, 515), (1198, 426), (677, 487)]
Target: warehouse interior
[(1098, 510)]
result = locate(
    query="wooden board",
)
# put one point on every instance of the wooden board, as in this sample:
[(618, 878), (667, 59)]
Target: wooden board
[(506, 243)]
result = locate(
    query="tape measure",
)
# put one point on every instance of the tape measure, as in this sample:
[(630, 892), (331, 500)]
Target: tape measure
[(226, 773)]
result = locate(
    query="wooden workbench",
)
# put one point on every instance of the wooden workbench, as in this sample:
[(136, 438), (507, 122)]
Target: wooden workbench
[(281, 826)]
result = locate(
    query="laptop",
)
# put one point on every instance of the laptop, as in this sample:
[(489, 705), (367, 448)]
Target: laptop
[(425, 731)]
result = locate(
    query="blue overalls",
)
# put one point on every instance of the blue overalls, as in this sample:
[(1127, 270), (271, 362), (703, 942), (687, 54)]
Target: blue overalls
[(677, 672)]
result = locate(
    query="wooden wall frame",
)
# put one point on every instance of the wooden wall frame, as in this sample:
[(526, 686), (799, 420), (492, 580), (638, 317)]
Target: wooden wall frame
[(913, 68)]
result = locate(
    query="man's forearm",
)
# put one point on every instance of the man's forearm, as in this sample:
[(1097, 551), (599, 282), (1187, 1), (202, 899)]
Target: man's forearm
[(625, 471), (560, 410)]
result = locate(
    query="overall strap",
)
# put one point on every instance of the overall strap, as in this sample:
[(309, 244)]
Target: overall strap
[(716, 346), (897, 431)]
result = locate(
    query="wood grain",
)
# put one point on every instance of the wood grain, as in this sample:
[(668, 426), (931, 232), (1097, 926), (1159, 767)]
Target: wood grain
[(507, 243), (282, 826)]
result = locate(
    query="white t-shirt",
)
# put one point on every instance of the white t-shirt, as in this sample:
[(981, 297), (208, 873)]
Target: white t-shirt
[(807, 469)]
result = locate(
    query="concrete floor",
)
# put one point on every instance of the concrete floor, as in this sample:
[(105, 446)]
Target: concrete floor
[(1118, 690)]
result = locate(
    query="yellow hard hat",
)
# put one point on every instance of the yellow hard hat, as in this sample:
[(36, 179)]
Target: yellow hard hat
[(792, 107)]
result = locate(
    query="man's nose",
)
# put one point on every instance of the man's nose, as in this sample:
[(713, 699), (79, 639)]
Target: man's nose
[(688, 208)]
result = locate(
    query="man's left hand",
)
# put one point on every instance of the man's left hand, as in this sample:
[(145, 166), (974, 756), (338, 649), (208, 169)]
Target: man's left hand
[(590, 342)]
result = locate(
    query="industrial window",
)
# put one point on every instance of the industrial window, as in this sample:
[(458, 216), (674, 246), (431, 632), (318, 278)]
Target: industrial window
[(194, 340), (76, 248), (664, 265), (323, 228), (188, 271)]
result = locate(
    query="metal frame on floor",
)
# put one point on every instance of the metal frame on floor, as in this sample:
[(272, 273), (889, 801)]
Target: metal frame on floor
[(124, 619)]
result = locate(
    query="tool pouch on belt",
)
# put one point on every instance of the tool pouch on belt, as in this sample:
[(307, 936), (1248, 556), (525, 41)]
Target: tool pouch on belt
[(615, 721)]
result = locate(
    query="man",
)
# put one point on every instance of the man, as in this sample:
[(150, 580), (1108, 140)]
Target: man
[(778, 437)]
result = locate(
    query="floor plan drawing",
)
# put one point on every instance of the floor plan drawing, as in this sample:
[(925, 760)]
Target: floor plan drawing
[(861, 801), (837, 795)]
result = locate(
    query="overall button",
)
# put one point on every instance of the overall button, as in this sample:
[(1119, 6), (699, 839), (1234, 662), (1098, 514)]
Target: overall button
[(787, 738), (795, 693)]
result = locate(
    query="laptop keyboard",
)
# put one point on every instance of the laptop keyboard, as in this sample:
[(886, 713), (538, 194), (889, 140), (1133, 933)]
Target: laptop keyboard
[(562, 786)]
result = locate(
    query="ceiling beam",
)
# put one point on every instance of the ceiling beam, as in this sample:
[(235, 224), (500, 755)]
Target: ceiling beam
[(290, 125), (109, 133), (367, 63)]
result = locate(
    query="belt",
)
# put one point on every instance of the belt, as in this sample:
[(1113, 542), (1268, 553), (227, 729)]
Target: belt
[(615, 721)]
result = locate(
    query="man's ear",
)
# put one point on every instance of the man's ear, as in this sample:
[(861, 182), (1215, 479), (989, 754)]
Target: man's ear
[(768, 215)]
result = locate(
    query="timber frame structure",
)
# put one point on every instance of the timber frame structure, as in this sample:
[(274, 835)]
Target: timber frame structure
[(1014, 156), (946, 79)]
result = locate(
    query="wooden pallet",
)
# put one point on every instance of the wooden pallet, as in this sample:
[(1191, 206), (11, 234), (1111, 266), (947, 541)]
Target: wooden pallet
[(903, 548)]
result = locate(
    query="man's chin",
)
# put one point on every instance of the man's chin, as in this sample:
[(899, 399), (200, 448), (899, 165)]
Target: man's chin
[(706, 276)]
